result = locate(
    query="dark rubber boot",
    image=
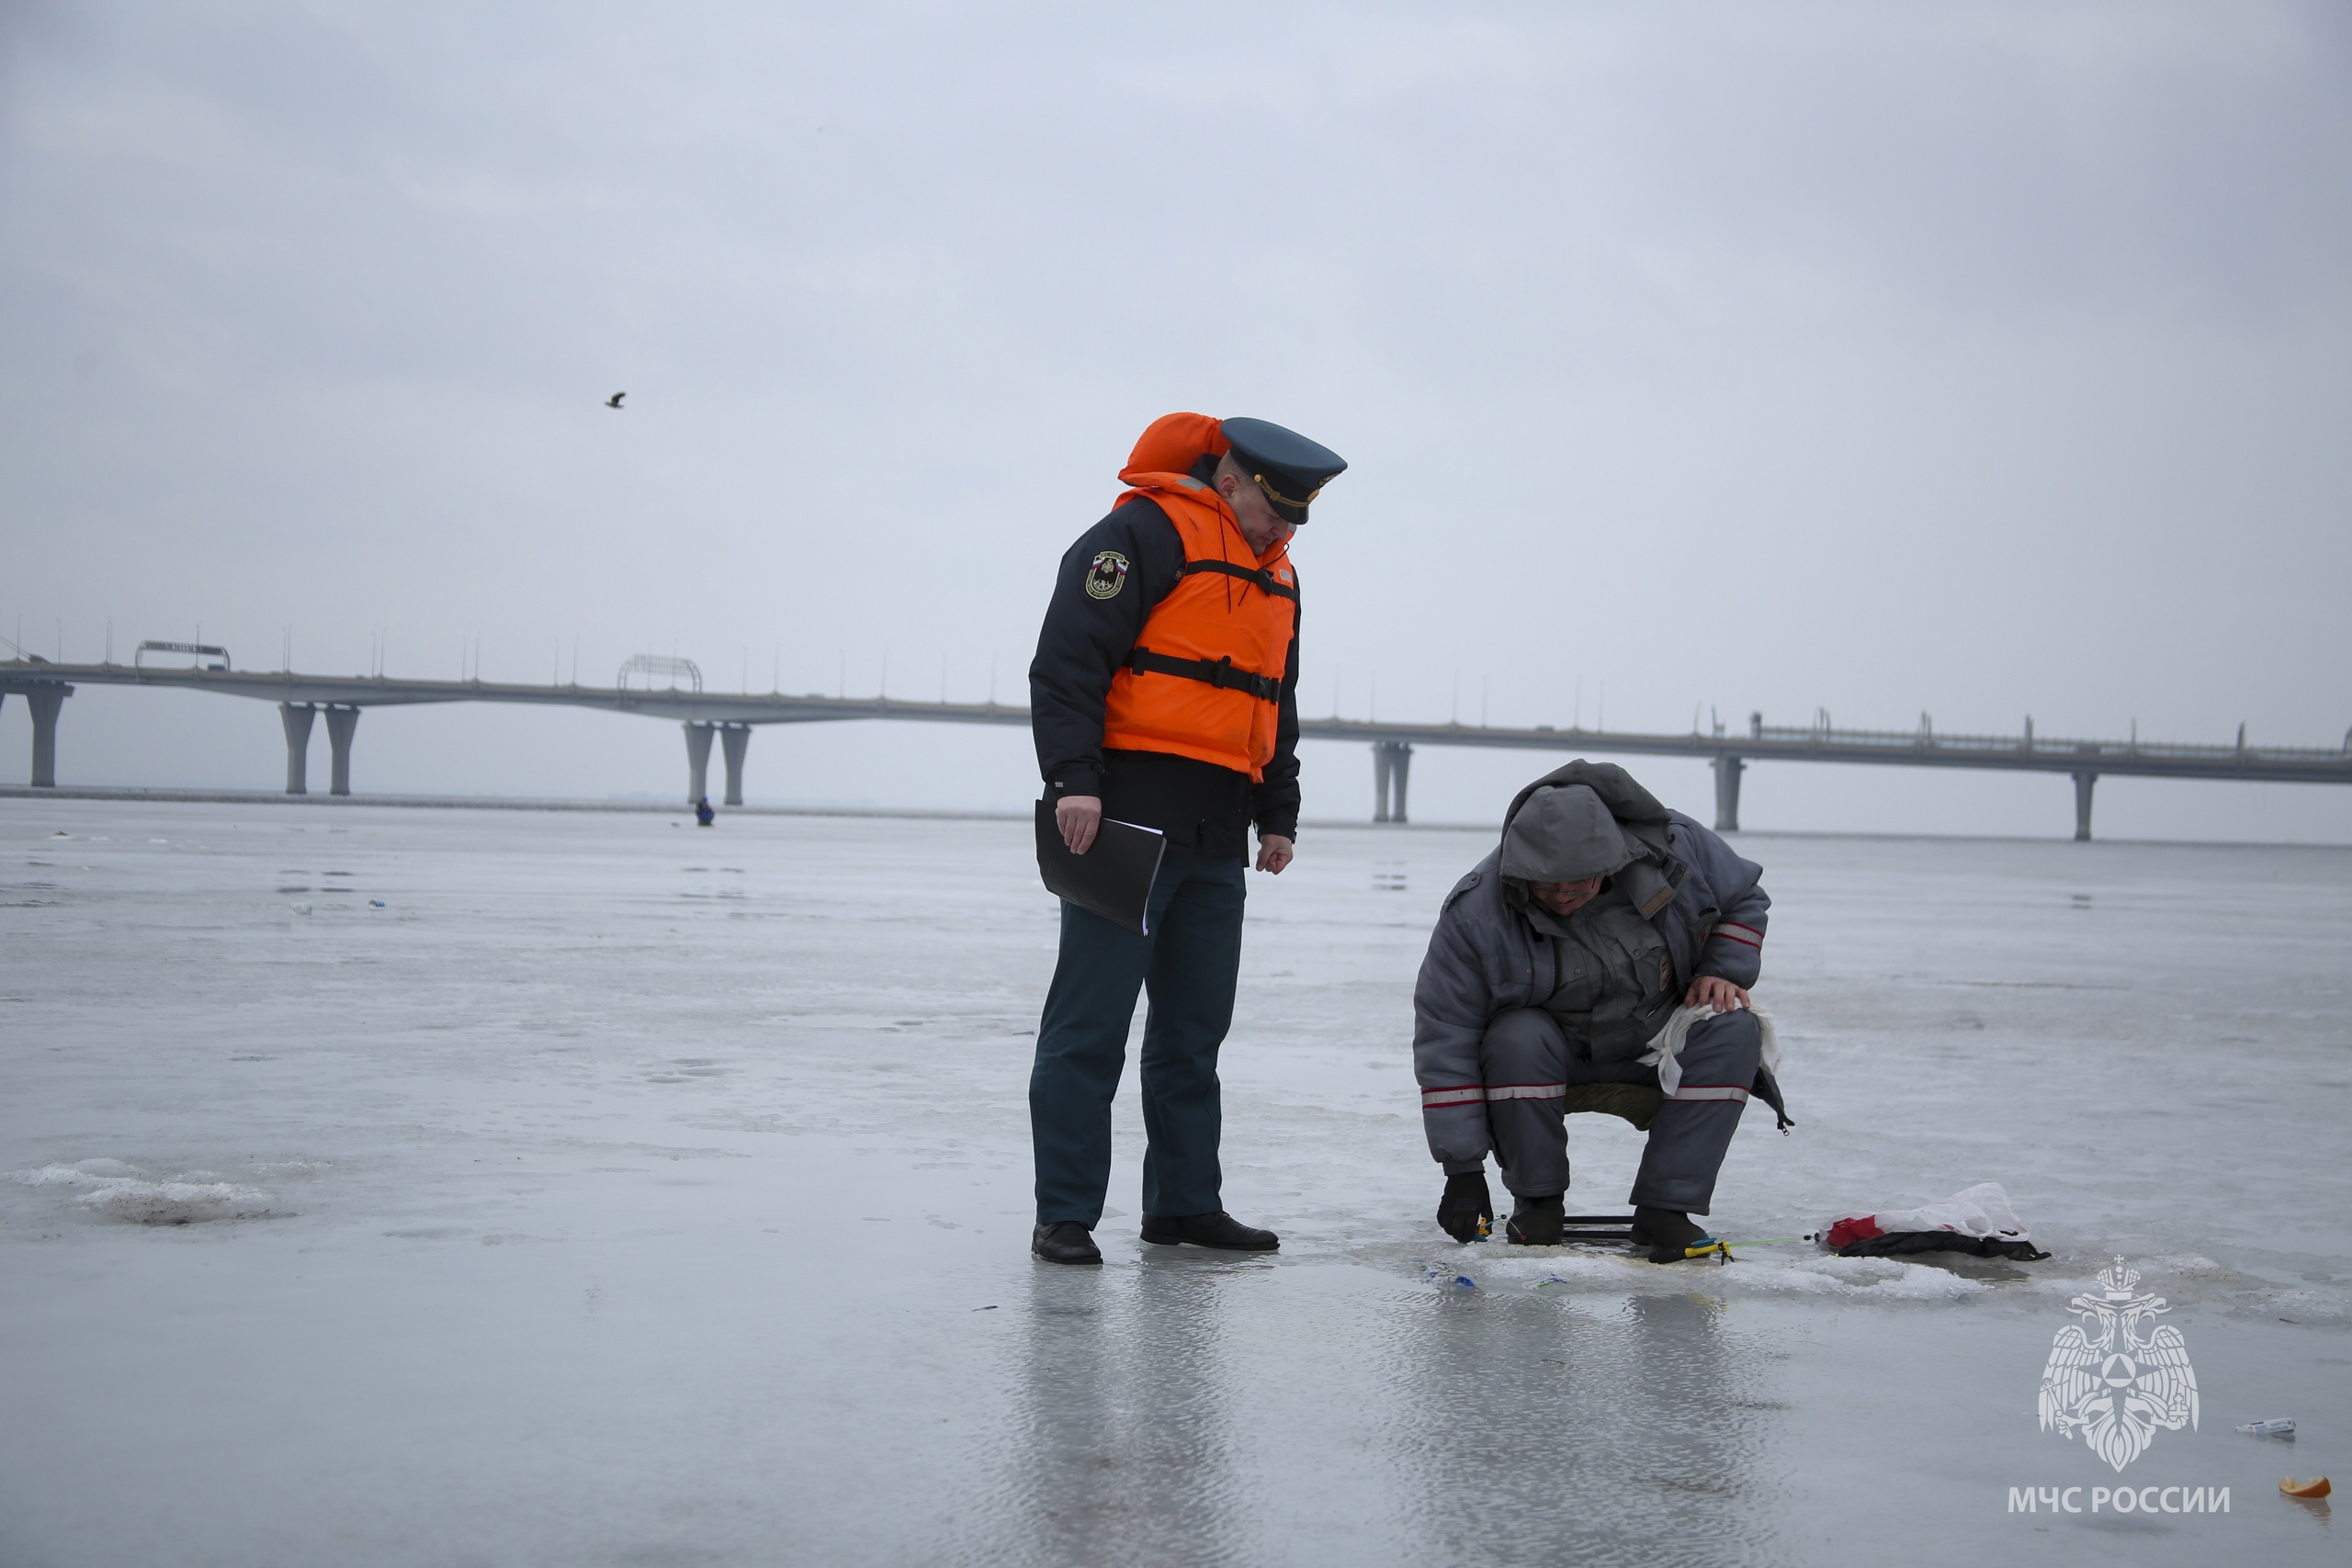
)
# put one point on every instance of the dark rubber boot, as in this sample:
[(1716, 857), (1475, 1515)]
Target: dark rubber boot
[(1064, 1242), (1537, 1222), (1668, 1234), (1219, 1230)]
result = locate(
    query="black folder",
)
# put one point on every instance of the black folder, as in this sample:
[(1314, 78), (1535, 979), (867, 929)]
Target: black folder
[(1113, 878)]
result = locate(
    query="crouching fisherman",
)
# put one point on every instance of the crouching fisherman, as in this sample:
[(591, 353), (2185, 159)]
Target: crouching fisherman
[(1555, 965)]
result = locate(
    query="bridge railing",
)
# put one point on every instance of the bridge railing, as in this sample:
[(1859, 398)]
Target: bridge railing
[(2030, 745), (201, 650), (657, 666)]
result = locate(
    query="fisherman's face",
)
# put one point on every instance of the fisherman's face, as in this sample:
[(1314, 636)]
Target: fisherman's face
[(1565, 898)]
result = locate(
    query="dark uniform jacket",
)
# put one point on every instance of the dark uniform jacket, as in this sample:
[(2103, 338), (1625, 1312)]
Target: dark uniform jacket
[(1202, 807)]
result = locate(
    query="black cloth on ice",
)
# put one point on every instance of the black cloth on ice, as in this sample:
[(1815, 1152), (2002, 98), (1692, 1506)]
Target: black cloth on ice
[(1897, 1244), (1202, 808)]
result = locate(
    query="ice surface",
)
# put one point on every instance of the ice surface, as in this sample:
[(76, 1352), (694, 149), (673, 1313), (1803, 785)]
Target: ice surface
[(622, 1192)]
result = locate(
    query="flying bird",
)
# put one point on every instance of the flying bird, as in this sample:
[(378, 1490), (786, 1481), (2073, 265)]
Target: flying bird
[(614, 400)]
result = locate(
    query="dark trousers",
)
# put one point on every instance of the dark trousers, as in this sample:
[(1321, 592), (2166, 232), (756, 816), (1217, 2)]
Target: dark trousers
[(1188, 967), (1529, 1068)]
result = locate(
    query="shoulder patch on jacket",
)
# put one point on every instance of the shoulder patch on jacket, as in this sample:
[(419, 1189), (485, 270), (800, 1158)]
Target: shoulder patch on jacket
[(1107, 575), (1460, 887)]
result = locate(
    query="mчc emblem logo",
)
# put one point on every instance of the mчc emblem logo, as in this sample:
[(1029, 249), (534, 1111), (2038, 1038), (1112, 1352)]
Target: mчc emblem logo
[(2119, 1376), (1107, 575)]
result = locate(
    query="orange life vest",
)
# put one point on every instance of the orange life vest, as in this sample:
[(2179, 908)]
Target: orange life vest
[(1204, 680)]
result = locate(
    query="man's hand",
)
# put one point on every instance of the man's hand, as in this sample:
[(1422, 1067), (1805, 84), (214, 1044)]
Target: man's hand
[(1466, 1212), (1711, 990), (1274, 852), (1079, 817)]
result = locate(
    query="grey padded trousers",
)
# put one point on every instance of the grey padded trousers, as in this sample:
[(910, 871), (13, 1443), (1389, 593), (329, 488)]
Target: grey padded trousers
[(1527, 1069)]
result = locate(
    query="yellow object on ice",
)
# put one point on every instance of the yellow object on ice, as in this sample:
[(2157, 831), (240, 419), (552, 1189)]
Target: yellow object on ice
[(2316, 1486)]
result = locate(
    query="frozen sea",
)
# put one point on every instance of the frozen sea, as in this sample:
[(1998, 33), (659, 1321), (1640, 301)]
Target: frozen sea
[(582, 1189)]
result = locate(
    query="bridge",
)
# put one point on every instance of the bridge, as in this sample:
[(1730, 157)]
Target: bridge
[(730, 718)]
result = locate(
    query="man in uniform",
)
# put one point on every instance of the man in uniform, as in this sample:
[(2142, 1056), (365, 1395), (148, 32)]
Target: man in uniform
[(1555, 965), (1164, 693)]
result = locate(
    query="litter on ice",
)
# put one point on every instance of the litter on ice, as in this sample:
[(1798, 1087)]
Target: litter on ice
[(1977, 1220)]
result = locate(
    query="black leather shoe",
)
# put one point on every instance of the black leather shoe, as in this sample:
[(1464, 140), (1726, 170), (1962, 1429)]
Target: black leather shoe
[(1066, 1241), (1537, 1222), (1668, 1232), (1219, 1230)]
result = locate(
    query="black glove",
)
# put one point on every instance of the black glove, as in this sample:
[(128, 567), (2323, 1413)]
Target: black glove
[(1466, 1210)]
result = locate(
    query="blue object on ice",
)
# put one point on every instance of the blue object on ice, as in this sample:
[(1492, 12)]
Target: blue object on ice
[(375, 903)]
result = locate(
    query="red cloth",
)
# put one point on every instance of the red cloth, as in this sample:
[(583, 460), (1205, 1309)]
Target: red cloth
[(1860, 1227)]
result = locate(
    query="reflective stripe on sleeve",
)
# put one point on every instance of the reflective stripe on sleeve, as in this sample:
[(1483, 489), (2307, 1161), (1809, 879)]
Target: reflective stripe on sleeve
[(1709, 1091), (1526, 1091), (1731, 930), (1468, 1094)]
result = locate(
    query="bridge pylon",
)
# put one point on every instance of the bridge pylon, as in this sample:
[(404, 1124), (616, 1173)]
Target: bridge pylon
[(297, 717), (341, 723), (736, 739), (1392, 763), (44, 702), (1728, 770), (697, 759)]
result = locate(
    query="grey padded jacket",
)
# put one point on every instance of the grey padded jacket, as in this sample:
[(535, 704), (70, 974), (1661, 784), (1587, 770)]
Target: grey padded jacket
[(1485, 958)]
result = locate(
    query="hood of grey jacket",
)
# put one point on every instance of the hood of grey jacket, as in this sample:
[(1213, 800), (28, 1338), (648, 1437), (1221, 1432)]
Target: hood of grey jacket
[(1627, 801), (1591, 819), (1564, 833)]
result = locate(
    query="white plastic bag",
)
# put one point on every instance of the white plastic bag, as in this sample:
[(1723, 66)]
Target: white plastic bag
[(1664, 1052)]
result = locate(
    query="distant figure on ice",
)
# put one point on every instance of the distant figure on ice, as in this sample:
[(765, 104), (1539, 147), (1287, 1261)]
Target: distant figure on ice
[(1165, 694), (704, 815), (1556, 964)]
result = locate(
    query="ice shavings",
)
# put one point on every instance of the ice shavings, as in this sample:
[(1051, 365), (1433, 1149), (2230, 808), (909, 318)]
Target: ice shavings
[(2306, 1305), (118, 1192), (1872, 1279), (80, 1173), (175, 1202)]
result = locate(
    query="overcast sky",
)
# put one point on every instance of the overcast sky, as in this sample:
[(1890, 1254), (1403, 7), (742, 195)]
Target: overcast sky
[(1978, 360)]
